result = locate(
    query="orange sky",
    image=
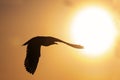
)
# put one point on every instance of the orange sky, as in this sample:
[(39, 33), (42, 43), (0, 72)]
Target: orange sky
[(22, 19)]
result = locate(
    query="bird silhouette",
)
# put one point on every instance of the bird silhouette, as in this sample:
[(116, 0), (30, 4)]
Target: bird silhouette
[(33, 50)]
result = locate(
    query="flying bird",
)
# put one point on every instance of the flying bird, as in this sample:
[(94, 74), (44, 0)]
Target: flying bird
[(33, 50)]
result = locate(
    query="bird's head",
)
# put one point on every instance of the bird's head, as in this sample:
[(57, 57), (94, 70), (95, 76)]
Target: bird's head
[(55, 43), (48, 43)]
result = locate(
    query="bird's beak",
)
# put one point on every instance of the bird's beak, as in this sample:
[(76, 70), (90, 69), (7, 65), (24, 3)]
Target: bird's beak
[(55, 43)]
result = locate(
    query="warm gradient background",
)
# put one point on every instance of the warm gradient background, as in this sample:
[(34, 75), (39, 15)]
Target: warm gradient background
[(22, 19)]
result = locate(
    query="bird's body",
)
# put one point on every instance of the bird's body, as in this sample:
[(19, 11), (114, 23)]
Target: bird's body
[(33, 50)]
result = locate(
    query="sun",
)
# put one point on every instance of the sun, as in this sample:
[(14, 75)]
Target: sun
[(94, 28)]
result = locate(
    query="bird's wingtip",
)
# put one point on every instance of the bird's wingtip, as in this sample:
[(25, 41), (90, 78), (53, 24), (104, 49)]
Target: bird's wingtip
[(29, 71), (32, 73)]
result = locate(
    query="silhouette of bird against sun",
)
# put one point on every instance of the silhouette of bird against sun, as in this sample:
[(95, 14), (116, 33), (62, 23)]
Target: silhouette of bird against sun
[(33, 50)]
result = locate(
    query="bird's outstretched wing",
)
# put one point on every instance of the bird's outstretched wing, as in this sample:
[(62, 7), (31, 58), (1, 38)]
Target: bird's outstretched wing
[(32, 57)]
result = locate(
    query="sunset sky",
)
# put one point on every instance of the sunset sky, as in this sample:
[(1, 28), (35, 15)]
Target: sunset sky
[(21, 20)]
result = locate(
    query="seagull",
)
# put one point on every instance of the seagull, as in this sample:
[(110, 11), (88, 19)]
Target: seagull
[(33, 50)]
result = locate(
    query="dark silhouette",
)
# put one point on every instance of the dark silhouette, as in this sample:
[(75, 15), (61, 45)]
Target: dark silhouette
[(33, 50)]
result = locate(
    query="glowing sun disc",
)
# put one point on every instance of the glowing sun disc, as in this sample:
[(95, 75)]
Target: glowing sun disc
[(94, 28)]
